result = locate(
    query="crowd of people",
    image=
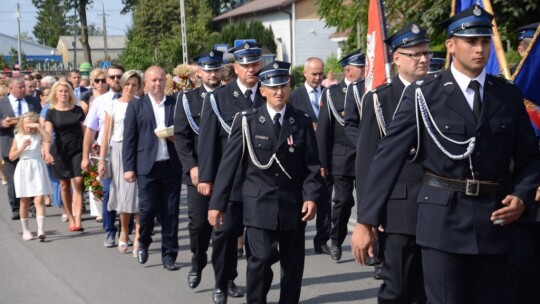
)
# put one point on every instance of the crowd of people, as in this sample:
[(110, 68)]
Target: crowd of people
[(443, 163)]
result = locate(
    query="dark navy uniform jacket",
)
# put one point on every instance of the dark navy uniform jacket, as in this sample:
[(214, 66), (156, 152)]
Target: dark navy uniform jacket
[(352, 113), (271, 200), (448, 220), (336, 151), (185, 139), (230, 100), (399, 214)]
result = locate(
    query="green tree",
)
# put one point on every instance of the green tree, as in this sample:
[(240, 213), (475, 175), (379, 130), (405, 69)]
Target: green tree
[(80, 6), (3, 63), (51, 22), (509, 14), (14, 58), (241, 30), (156, 33)]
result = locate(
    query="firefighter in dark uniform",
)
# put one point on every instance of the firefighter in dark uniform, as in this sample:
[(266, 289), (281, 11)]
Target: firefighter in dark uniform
[(307, 98), (481, 163), (523, 275), (186, 138), (219, 109), (402, 270), (274, 149), (336, 151)]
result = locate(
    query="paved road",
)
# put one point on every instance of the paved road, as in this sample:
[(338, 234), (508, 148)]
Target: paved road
[(70, 268)]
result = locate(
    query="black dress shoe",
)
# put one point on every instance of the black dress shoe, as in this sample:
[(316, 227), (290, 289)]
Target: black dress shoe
[(143, 255), (322, 249), (15, 215), (234, 291), (377, 274), (219, 296), (335, 252), (240, 252), (193, 279), (171, 266)]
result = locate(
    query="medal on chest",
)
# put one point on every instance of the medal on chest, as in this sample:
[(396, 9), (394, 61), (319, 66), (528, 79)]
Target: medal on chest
[(290, 142)]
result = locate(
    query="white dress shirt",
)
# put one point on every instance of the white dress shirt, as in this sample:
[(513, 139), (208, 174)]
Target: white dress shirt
[(159, 114), (463, 82), (15, 105)]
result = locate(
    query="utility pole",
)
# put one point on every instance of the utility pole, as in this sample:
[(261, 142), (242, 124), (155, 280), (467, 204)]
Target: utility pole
[(75, 38), (18, 16), (106, 51), (184, 36)]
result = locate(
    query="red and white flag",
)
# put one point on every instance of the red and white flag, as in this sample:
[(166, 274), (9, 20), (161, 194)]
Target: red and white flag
[(375, 49)]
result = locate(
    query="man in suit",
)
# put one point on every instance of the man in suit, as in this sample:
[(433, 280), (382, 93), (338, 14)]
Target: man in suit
[(11, 107), (336, 151), (307, 98), (154, 164), (74, 78), (219, 109), (481, 163), (402, 270), (186, 138), (280, 181)]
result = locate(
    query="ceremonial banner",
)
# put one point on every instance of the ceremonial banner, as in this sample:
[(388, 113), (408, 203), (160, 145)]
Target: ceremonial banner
[(375, 49), (527, 77)]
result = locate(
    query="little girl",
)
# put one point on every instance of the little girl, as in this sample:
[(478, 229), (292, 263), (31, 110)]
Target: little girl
[(30, 178)]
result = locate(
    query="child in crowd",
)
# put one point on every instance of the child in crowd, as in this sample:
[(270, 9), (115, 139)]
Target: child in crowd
[(31, 178)]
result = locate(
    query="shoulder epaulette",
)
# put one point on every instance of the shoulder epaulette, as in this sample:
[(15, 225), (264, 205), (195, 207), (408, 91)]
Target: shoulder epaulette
[(499, 79), (381, 87), (248, 112), (428, 79)]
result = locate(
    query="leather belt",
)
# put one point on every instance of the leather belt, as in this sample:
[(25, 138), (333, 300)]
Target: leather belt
[(470, 187)]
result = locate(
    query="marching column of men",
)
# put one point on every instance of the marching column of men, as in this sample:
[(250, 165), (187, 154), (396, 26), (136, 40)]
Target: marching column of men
[(336, 151), (219, 109), (402, 269), (444, 163), (186, 134)]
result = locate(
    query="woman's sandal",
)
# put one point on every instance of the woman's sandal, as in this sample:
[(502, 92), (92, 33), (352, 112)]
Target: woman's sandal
[(122, 246), (135, 249)]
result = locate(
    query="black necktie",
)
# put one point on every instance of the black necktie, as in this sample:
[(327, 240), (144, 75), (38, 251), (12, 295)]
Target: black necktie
[(277, 124), (248, 96), (477, 102), (19, 107), (116, 96)]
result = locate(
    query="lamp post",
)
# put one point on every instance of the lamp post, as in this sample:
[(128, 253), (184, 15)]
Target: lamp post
[(106, 51)]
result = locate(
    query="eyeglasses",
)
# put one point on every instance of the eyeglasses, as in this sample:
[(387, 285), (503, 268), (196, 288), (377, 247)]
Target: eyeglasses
[(112, 77), (418, 55), (100, 80)]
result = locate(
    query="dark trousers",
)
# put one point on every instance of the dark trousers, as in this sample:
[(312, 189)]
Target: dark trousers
[(324, 211), (463, 278), (341, 208), (402, 270), (109, 217), (523, 274), (200, 229), (159, 193), (9, 167), (267, 246), (224, 245)]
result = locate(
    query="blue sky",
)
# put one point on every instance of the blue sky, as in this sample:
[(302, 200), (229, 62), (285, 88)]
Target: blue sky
[(116, 22)]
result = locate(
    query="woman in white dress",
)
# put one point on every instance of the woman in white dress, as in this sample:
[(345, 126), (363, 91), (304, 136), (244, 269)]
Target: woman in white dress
[(31, 178), (123, 195)]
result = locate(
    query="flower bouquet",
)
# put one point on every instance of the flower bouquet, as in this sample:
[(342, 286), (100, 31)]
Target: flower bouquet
[(92, 183)]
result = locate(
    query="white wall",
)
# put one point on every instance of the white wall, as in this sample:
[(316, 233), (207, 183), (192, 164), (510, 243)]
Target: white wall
[(312, 40)]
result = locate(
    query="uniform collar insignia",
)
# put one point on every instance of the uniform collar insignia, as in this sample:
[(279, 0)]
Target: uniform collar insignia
[(344, 90), (415, 29), (236, 94), (291, 120), (203, 95), (477, 12), (262, 119), (419, 82)]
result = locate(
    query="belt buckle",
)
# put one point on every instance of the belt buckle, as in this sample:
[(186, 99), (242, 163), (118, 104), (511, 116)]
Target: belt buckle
[(472, 187)]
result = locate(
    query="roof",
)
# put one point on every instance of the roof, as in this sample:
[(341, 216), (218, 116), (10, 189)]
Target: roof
[(28, 48), (96, 42), (254, 7), (340, 36)]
